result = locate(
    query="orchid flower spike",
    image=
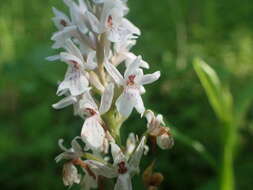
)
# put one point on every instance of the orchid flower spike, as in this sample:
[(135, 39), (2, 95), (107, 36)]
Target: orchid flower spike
[(97, 38)]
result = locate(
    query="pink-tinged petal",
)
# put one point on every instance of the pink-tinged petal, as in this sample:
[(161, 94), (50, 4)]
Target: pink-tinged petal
[(165, 141), (133, 67), (106, 99), (125, 103), (139, 106), (93, 134), (70, 174), (101, 169), (69, 100), (114, 73), (150, 78), (123, 182)]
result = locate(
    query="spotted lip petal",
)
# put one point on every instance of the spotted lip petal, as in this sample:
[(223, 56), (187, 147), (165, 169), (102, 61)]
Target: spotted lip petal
[(93, 134), (75, 82), (125, 103)]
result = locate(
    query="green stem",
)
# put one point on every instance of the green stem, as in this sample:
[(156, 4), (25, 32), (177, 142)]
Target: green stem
[(227, 168), (113, 119)]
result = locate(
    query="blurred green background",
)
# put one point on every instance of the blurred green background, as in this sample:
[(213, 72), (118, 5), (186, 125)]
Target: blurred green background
[(173, 33)]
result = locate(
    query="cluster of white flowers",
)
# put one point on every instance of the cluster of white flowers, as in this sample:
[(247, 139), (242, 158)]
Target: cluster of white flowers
[(97, 39)]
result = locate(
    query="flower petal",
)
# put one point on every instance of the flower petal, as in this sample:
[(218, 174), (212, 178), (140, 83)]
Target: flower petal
[(69, 100), (101, 169), (93, 22), (114, 73), (149, 115), (61, 36), (73, 49), (53, 58), (125, 103), (106, 99), (133, 67), (165, 141), (135, 159), (91, 62), (117, 154), (149, 78), (70, 174), (130, 144), (139, 106), (130, 26), (70, 58), (123, 182), (93, 134), (60, 20), (74, 81)]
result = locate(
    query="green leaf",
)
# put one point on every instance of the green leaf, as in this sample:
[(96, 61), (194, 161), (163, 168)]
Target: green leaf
[(219, 97)]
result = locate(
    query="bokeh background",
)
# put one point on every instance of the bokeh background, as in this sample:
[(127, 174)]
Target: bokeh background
[(173, 33)]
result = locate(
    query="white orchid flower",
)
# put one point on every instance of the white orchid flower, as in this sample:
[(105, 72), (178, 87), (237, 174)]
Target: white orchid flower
[(122, 167), (112, 21), (75, 81), (115, 25), (156, 129), (133, 82), (70, 174)]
